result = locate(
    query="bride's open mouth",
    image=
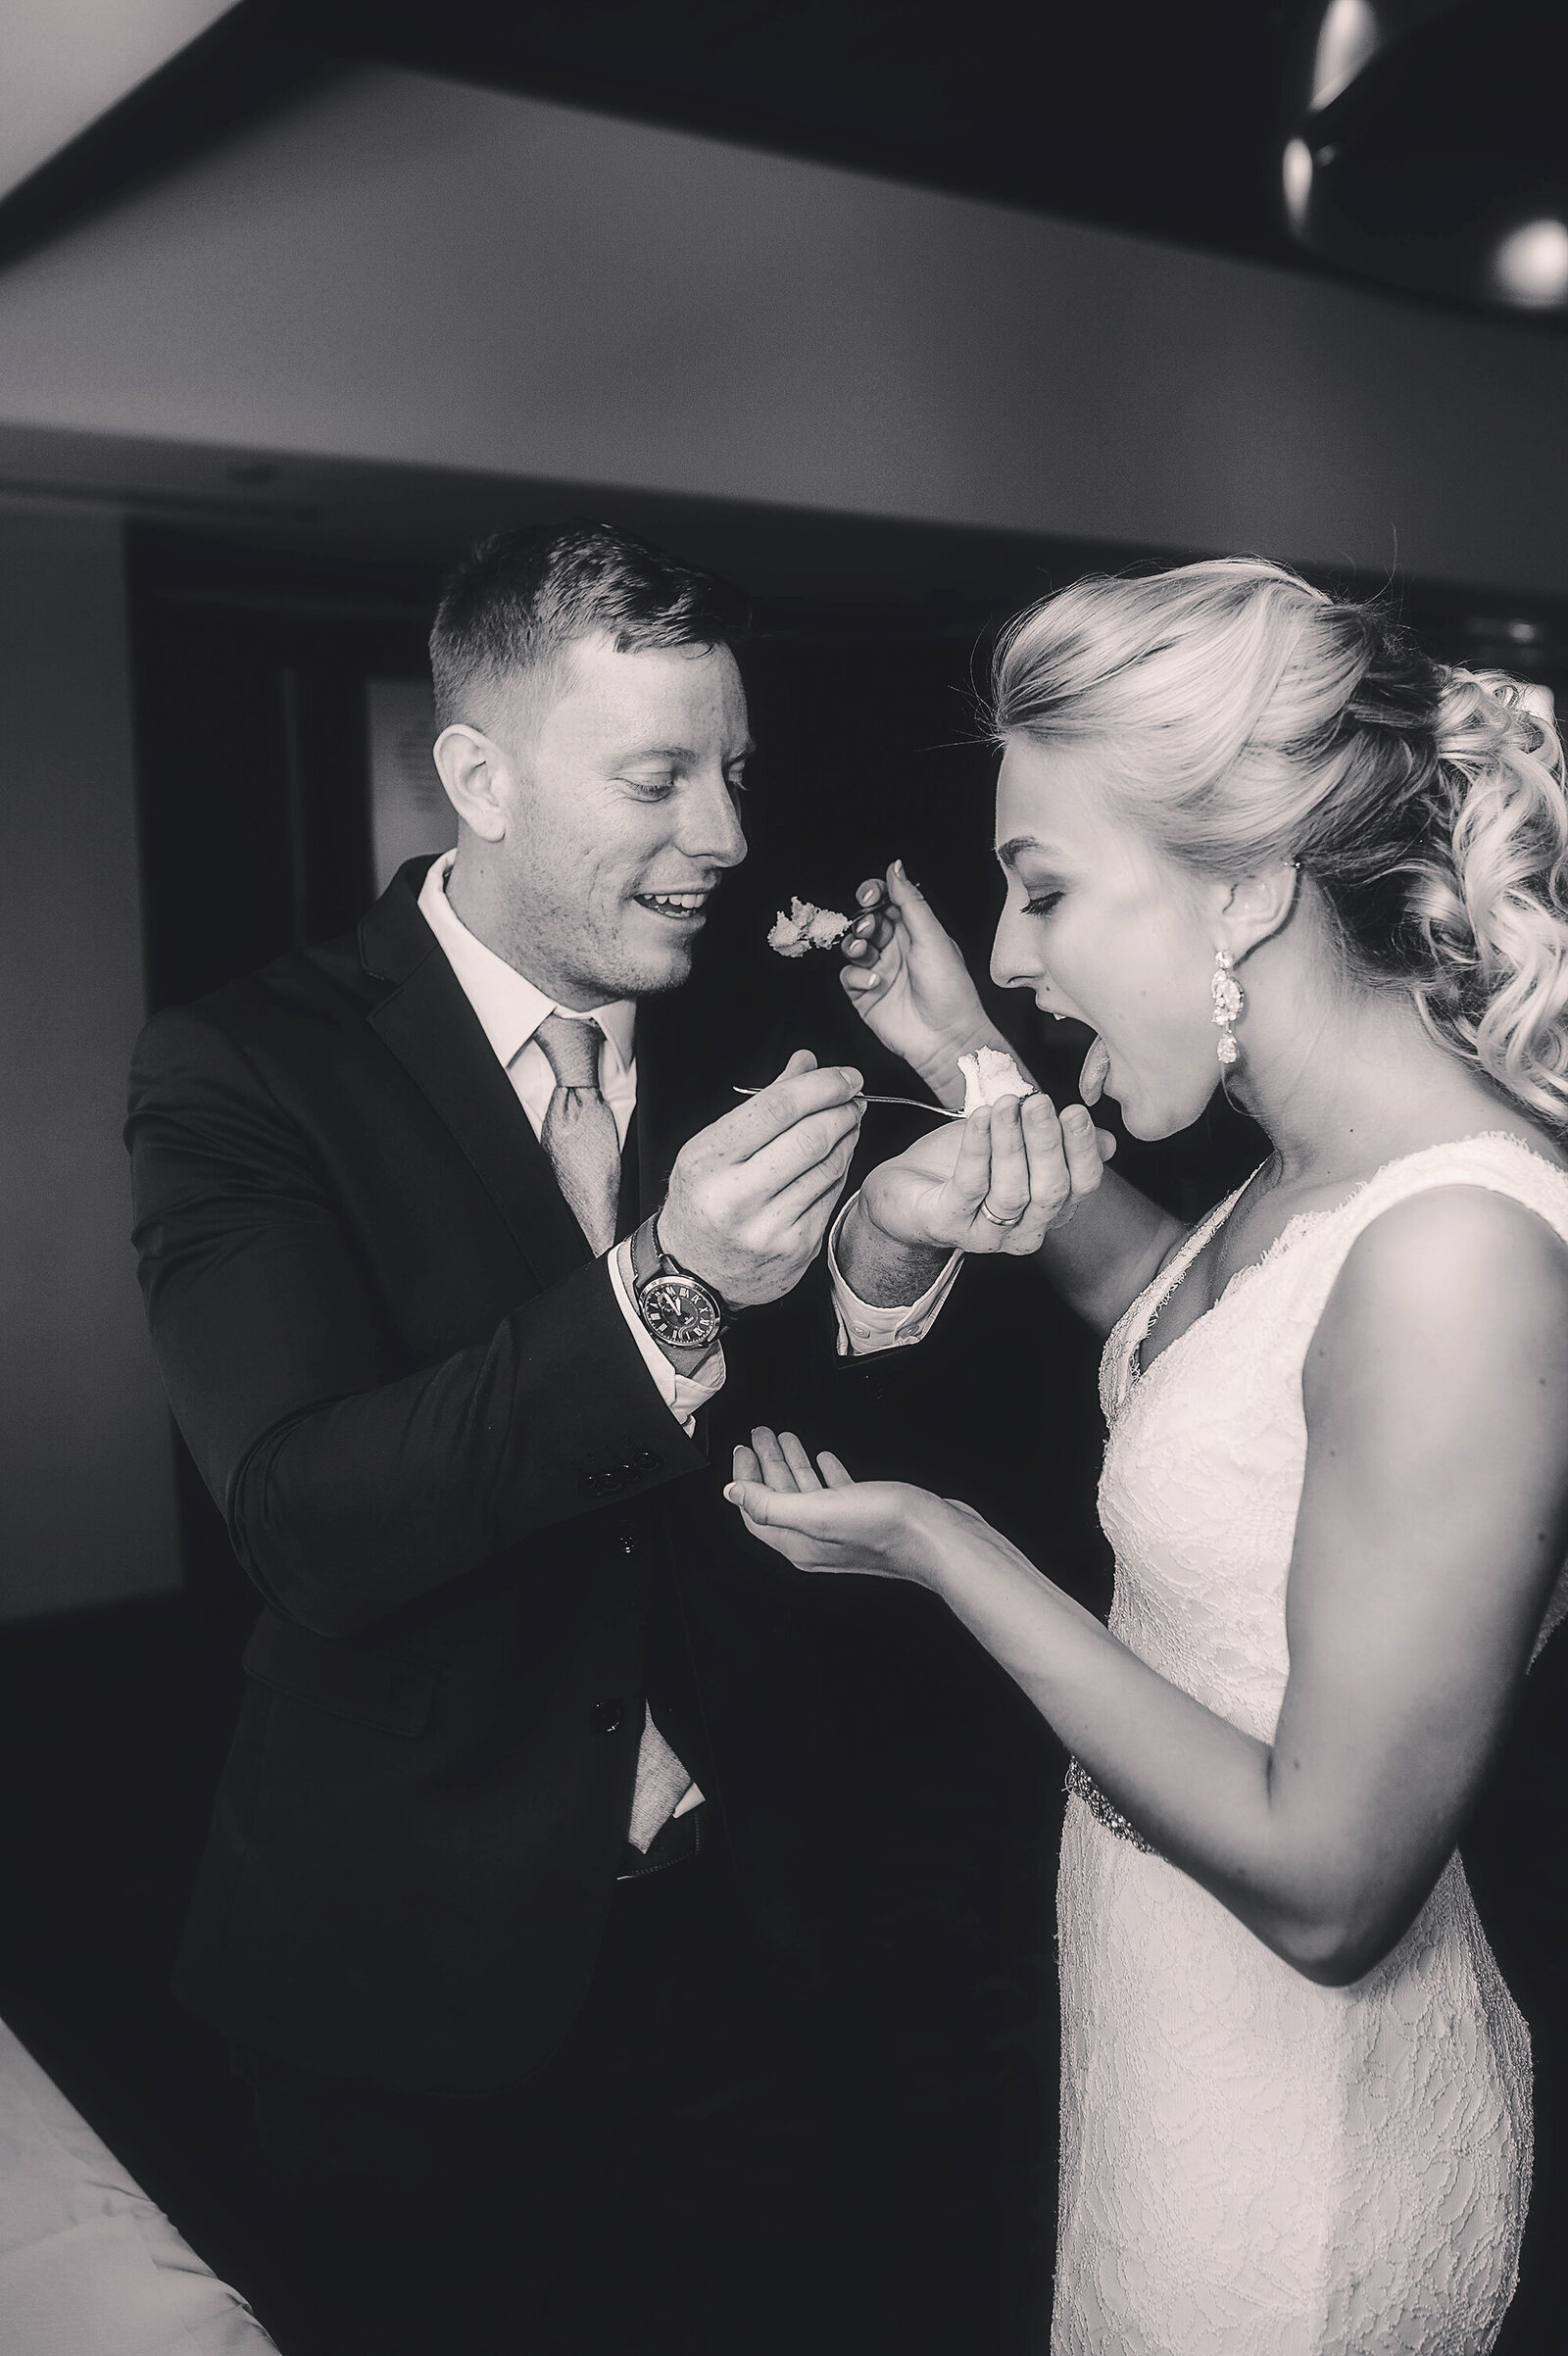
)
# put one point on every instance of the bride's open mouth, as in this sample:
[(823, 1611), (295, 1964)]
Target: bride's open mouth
[(1096, 1071)]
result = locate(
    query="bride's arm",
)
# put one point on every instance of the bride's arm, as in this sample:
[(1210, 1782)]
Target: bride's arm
[(1433, 1520), (1102, 1241)]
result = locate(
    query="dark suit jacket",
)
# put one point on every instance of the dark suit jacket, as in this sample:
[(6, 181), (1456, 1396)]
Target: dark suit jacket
[(480, 1536)]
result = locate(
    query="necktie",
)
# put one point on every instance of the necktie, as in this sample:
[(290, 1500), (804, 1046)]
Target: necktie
[(579, 1131), (579, 1136)]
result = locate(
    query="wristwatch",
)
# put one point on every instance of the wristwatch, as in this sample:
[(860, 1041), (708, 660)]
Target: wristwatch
[(677, 1306)]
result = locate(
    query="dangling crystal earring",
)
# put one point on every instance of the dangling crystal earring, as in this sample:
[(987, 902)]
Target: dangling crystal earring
[(1226, 991)]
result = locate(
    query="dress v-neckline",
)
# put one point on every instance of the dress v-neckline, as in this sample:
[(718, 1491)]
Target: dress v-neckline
[(1175, 1274), (1292, 1231)]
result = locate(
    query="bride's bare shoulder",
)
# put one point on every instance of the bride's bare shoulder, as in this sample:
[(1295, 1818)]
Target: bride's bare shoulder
[(1459, 1283)]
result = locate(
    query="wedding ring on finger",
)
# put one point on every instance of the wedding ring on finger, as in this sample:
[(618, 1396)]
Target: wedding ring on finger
[(997, 1220)]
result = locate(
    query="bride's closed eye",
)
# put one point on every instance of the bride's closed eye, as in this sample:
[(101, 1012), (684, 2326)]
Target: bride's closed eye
[(1041, 905)]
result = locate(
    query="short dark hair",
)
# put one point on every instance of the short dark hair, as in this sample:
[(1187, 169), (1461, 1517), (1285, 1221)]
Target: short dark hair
[(518, 597)]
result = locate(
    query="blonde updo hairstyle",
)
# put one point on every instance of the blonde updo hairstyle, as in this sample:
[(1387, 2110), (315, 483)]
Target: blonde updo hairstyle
[(1247, 719)]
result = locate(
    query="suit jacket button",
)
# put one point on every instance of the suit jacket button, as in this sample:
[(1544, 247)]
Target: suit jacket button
[(647, 1460), (608, 1716), (628, 1541)]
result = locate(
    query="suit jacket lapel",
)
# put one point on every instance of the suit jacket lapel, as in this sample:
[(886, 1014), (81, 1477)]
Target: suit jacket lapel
[(428, 1025)]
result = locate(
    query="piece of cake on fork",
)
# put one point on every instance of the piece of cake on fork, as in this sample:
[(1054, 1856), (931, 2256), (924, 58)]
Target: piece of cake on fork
[(807, 928), (988, 1075)]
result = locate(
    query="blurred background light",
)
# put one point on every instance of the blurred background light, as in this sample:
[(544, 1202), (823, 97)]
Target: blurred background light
[(1531, 265), (1347, 39), (1296, 173)]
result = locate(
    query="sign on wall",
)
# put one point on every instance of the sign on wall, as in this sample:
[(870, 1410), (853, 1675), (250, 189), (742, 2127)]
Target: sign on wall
[(409, 810)]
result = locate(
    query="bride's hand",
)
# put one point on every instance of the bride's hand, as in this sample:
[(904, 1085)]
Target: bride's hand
[(905, 978), (1016, 1161), (820, 1518)]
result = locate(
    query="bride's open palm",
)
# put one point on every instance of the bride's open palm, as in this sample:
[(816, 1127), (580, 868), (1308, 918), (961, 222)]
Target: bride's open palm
[(820, 1518)]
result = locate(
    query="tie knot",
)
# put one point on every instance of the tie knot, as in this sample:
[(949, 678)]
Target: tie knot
[(571, 1048)]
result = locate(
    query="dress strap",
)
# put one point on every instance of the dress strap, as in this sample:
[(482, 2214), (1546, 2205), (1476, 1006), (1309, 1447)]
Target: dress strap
[(1495, 1159)]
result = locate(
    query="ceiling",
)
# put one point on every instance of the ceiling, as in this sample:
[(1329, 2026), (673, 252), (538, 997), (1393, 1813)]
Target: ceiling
[(1413, 143), (69, 63)]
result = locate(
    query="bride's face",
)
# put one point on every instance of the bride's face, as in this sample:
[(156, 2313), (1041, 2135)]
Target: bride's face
[(1100, 925)]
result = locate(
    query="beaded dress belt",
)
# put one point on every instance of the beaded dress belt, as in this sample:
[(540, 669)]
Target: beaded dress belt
[(1082, 1785)]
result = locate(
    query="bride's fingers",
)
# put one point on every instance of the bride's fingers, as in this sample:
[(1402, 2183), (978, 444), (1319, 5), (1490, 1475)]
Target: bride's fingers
[(925, 928), (1009, 1193), (772, 1508), (799, 1462), (870, 937), (971, 1172), (755, 1500), (873, 927), (744, 1465), (1051, 1183), (776, 1470), (834, 1471), (1084, 1150)]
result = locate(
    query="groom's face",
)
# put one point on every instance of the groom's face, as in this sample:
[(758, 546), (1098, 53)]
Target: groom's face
[(622, 773)]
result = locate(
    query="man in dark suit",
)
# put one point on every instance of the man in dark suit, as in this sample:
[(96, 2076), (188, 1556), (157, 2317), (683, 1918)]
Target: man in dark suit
[(440, 1282)]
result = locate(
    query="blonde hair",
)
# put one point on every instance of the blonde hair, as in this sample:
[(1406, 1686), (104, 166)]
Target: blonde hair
[(1248, 717)]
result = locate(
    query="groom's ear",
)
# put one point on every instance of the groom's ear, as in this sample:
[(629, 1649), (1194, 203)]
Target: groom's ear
[(1258, 907), (470, 767)]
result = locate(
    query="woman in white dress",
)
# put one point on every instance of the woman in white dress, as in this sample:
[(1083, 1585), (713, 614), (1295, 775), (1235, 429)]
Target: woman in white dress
[(1250, 830)]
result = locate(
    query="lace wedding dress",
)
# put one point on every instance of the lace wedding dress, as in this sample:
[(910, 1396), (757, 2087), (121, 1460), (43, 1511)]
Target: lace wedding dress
[(1253, 2165)]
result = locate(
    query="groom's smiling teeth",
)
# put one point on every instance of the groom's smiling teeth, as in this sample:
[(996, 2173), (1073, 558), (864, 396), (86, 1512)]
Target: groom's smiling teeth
[(676, 905)]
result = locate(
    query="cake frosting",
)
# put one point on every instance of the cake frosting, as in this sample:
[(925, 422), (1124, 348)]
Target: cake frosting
[(807, 928), (988, 1075)]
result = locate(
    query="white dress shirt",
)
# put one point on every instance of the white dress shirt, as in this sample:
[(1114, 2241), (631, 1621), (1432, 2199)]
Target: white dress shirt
[(510, 1010)]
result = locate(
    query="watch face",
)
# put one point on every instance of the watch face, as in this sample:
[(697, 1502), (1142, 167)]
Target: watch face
[(679, 1310)]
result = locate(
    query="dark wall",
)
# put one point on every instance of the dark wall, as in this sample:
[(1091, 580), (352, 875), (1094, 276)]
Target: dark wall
[(86, 1506)]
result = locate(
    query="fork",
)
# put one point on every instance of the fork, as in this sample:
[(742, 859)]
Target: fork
[(917, 1103)]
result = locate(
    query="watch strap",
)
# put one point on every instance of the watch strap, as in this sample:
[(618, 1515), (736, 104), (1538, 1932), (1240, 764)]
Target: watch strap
[(646, 1254)]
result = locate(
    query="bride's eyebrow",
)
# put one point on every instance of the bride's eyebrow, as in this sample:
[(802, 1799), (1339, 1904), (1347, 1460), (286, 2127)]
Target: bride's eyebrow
[(1009, 852)]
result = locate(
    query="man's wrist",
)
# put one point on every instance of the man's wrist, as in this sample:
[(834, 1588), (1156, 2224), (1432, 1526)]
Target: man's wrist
[(651, 1242), (686, 1358), (881, 1269)]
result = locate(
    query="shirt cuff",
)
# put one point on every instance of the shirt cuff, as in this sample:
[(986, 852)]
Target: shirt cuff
[(682, 1393), (865, 1330)]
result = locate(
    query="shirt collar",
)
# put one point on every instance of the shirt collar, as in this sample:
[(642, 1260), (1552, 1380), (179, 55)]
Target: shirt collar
[(508, 1005)]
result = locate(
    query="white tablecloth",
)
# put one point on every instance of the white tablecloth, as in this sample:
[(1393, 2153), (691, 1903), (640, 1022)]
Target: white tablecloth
[(89, 2265)]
